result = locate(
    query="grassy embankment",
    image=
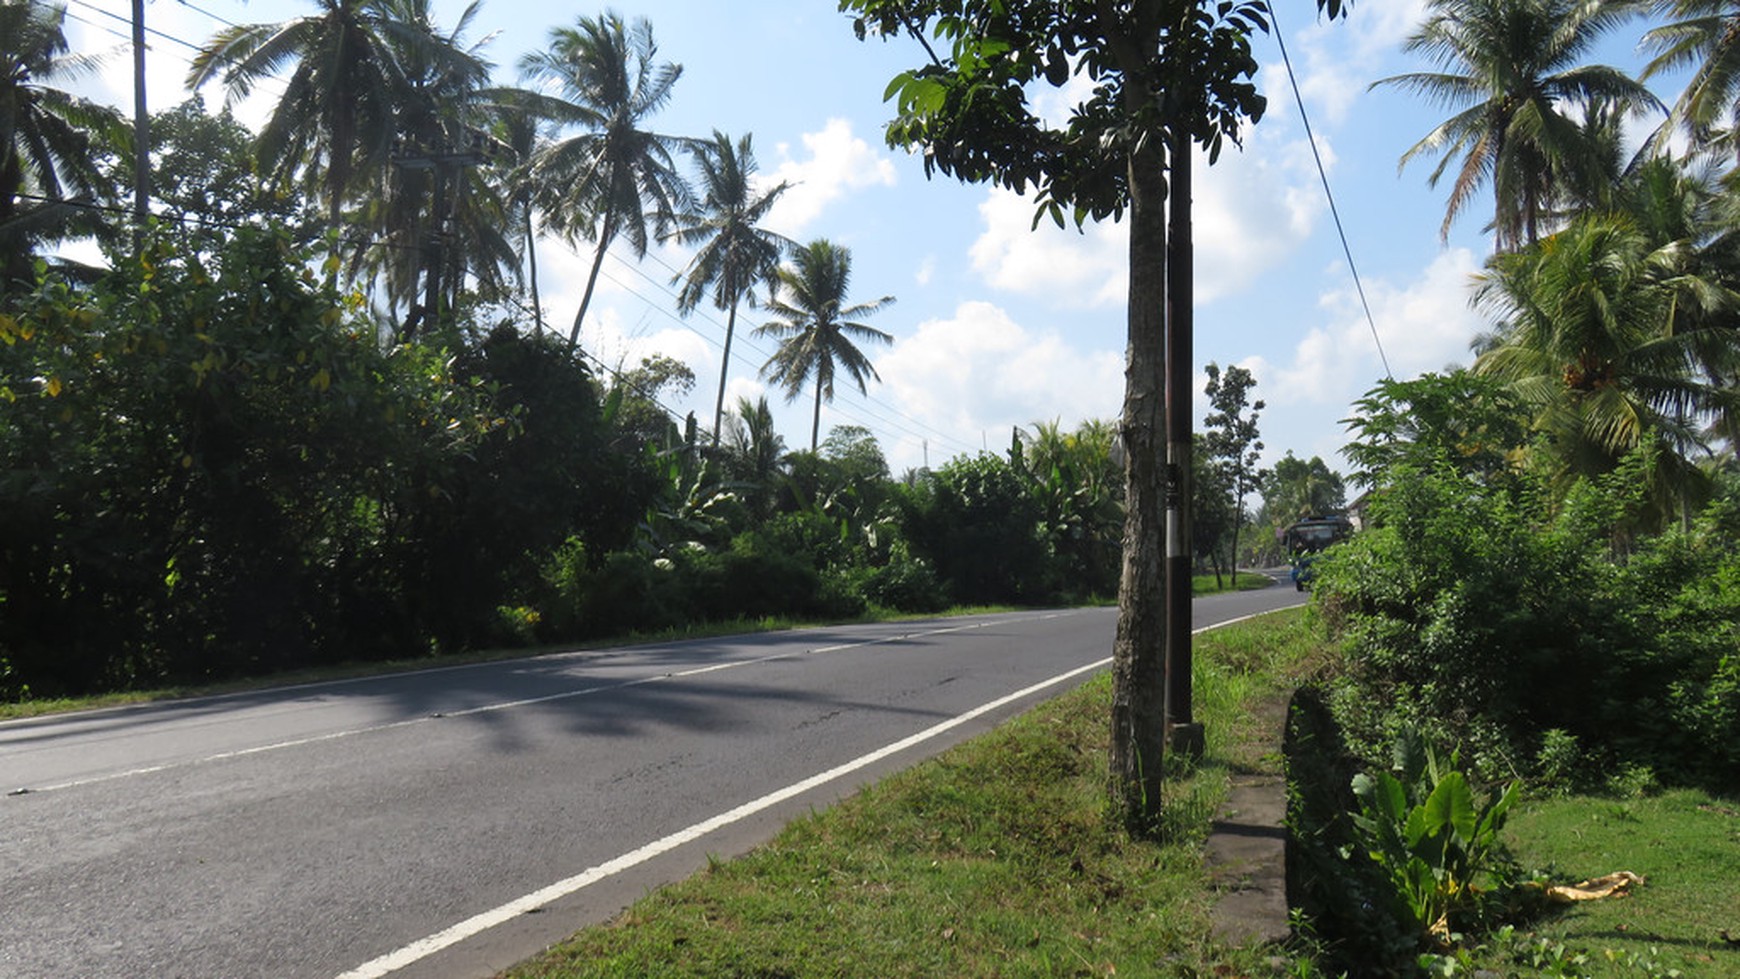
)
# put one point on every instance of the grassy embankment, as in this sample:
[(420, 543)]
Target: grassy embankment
[(1685, 920)]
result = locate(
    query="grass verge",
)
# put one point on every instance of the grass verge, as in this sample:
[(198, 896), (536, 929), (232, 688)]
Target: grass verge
[(1686, 845), (1207, 584), (996, 858)]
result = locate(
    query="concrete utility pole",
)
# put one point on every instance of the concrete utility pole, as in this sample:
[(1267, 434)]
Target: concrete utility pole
[(141, 130), (442, 162), (1184, 734)]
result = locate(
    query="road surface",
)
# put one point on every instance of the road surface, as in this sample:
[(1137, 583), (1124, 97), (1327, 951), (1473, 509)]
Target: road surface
[(451, 822)]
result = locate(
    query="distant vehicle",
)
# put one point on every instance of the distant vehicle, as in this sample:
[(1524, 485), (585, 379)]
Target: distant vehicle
[(1305, 539)]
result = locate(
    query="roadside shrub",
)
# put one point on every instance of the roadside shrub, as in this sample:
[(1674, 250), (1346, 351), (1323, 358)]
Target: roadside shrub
[(905, 584), (626, 592), (745, 584), (1483, 612), (976, 523)]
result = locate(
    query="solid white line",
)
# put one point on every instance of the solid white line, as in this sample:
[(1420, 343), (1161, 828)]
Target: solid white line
[(416, 951), (477, 924)]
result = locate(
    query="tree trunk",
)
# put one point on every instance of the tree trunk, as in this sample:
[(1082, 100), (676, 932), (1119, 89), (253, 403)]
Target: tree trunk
[(724, 369), (532, 262), (605, 234), (1138, 653), (816, 424)]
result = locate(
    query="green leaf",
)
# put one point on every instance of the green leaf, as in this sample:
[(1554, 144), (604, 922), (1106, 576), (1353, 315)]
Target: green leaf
[(1451, 806)]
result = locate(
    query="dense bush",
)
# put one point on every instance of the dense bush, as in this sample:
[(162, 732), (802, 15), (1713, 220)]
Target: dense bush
[(1483, 613), (213, 467), (976, 523)]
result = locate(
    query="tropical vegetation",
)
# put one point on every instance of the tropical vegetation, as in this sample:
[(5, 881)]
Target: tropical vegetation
[(309, 413)]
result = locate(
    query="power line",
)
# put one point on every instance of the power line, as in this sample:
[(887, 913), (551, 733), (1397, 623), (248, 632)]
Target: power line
[(128, 21), (1323, 175)]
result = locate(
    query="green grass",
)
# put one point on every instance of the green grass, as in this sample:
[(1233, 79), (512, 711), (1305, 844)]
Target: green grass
[(1685, 843), (996, 858), (1205, 584)]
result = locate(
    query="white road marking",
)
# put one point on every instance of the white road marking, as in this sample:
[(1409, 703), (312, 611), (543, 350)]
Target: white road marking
[(503, 705), (477, 924), (393, 961)]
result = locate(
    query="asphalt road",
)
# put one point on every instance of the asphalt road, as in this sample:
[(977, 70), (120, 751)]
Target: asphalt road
[(335, 829)]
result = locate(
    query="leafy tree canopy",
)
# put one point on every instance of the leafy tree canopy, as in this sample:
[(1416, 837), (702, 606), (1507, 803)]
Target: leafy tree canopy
[(1156, 66)]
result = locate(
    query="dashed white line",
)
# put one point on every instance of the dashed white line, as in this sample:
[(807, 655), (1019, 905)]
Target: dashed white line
[(488, 708)]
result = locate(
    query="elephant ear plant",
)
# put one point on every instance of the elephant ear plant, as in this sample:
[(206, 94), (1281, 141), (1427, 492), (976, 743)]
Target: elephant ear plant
[(1421, 825)]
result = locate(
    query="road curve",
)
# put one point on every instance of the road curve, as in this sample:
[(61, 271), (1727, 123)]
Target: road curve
[(320, 831)]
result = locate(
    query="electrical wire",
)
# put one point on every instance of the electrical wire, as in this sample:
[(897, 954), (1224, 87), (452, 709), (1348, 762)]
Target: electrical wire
[(1323, 175)]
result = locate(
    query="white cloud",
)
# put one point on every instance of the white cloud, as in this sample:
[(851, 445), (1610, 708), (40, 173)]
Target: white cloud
[(1252, 210), (1425, 326), (1336, 61), (837, 162), (1070, 268), (981, 372)]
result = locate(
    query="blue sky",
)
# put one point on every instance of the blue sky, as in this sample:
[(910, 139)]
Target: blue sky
[(997, 326)]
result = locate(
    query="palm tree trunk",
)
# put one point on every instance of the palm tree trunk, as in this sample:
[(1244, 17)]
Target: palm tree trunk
[(816, 424), (724, 370), (532, 260), (605, 234)]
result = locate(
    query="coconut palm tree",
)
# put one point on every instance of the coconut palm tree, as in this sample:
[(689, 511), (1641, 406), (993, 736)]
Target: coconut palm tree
[(816, 328), (736, 254), (608, 179), (50, 141), (438, 211), (1511, 71), (517, 134), (1591, 340), (335, 126), (1706, 37)]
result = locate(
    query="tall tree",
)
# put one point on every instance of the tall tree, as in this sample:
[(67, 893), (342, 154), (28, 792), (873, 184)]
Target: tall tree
[(1512, 71), (754, 453), (1296, 489), (735, 253), (1230, 435), (817, 332), (334, 127), (51, 142), (206, 178), (438, 214), (612, 176), (1470, 423), (1586, 340), (1165, 73)]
